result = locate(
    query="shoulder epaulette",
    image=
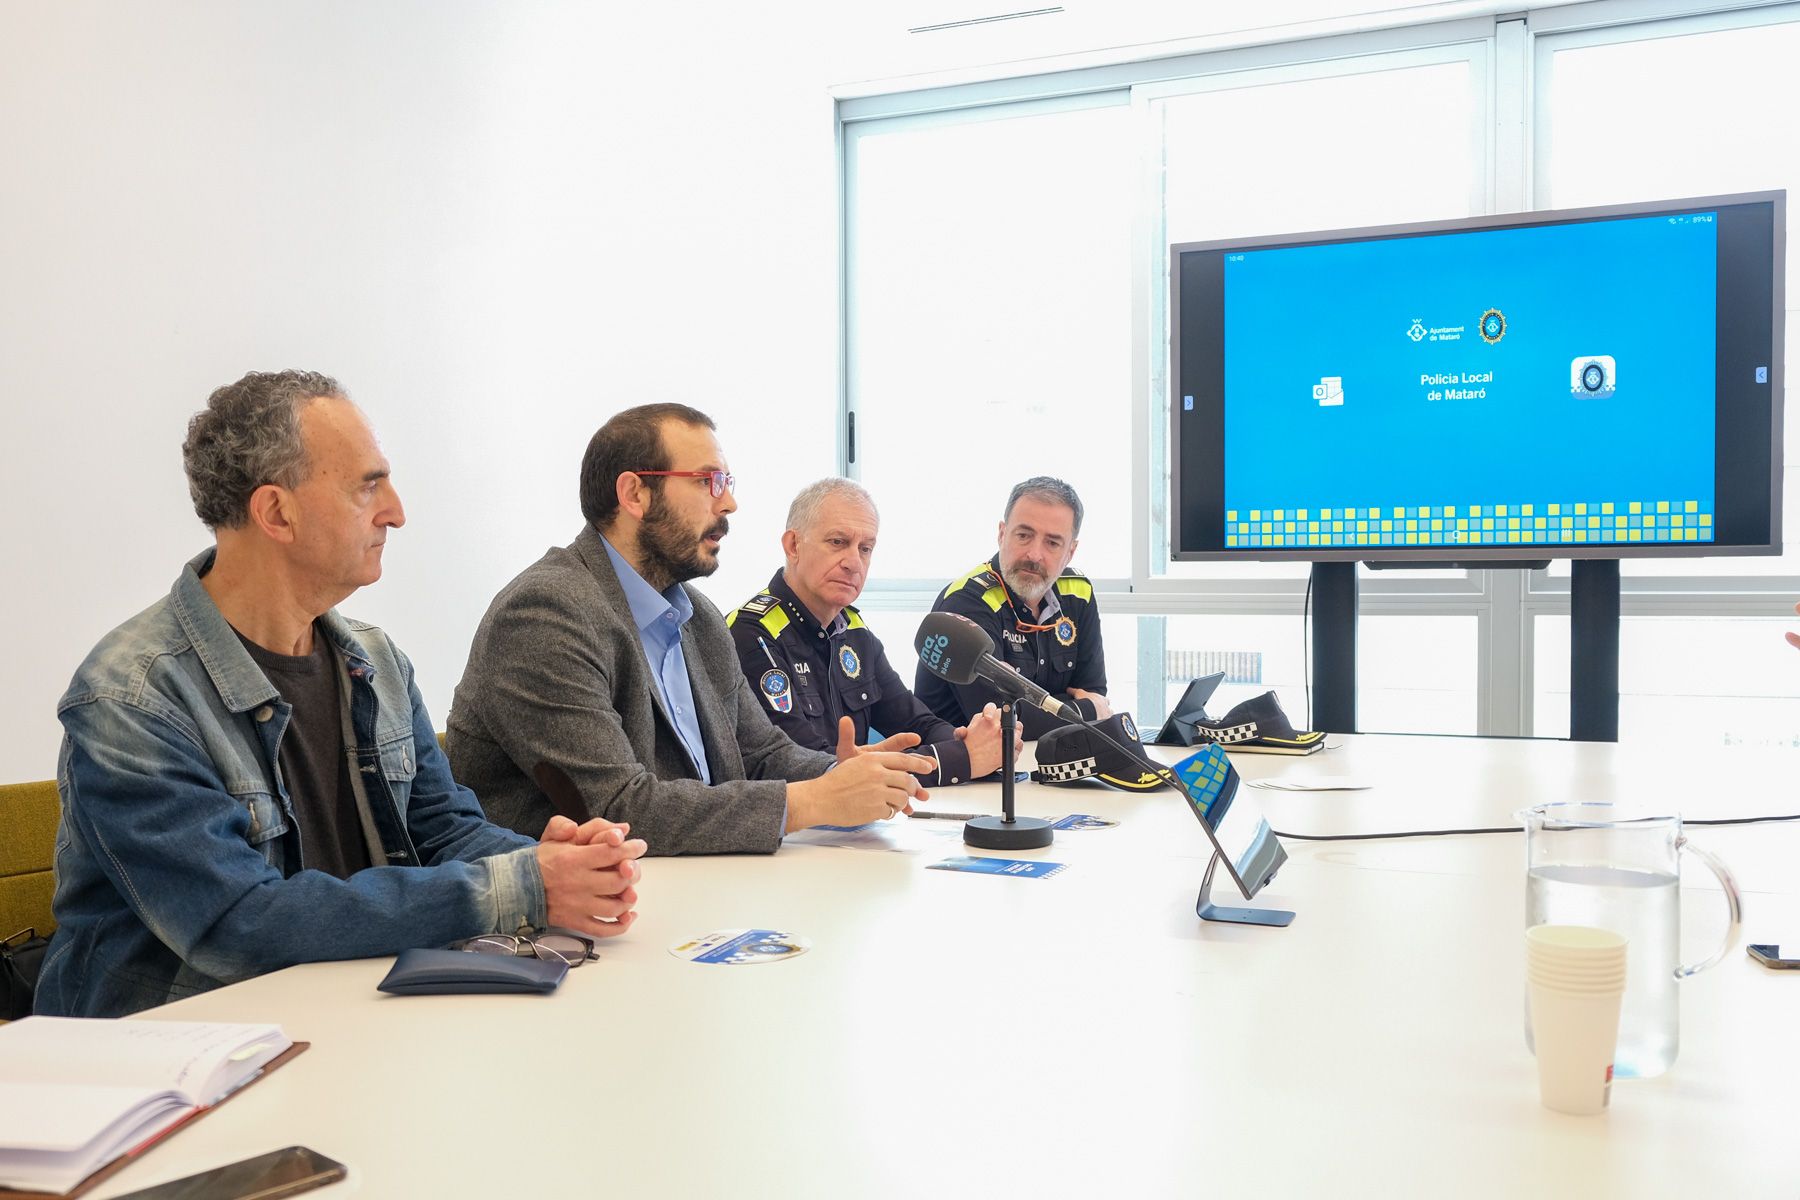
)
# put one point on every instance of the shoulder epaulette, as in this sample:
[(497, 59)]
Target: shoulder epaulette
[(766, 609), (982, 581), (1074, 583), (852, 618)]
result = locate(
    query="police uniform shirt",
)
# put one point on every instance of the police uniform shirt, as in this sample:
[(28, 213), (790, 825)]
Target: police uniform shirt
[(1066, 655), (810, 675)]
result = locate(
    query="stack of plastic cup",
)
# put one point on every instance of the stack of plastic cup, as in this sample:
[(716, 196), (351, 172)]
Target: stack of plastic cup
[(1576, 979)]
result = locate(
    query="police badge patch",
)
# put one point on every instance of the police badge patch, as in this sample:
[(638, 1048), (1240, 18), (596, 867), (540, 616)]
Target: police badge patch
[(1065, 631), (848, 662), (776, 691)]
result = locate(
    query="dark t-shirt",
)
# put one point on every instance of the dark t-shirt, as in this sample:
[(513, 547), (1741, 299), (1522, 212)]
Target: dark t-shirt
[(313, 765)]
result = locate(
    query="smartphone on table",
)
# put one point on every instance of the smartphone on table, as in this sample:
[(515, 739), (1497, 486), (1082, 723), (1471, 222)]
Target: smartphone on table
[(1770, 956), (266, 1177)]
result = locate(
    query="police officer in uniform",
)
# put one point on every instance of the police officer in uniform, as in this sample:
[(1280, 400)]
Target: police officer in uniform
[(1040, 613), (816, 665)]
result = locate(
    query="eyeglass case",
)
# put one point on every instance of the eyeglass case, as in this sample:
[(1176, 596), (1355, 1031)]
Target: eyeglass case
[(457, 972)]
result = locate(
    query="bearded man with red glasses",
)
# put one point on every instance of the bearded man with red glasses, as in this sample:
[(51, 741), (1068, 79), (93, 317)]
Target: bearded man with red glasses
[(601, 682)]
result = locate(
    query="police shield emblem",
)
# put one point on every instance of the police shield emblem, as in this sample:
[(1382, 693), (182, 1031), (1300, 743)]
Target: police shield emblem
[(848, 662), (1065, 631), (776, 691)]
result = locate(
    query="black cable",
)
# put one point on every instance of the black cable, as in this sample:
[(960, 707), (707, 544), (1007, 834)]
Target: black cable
[(1412, 833), (1375, 837), (1743, 820), (1167, 775), (1305, 640)]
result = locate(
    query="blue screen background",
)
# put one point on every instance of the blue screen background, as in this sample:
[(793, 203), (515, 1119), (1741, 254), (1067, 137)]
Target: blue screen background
[(1640, 290)]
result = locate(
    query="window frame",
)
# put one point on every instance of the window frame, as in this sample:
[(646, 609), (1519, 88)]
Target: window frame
[(1512, 60)]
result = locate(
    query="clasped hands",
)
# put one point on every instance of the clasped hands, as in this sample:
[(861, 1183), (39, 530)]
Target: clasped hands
[(590, 874)]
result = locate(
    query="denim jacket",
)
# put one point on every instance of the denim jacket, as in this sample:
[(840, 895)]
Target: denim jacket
[(178, 865)]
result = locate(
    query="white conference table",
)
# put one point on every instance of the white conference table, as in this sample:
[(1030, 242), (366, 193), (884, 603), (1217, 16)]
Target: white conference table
[(1084, 1034)]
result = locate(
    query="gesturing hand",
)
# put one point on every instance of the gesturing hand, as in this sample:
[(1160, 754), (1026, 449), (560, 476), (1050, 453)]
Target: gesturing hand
[(847, 748), (869, 783)]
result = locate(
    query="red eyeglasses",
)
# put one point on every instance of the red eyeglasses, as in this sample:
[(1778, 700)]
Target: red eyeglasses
[(720, 481)]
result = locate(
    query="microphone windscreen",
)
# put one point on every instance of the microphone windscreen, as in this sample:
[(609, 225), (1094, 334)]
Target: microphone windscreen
[(949, 646)]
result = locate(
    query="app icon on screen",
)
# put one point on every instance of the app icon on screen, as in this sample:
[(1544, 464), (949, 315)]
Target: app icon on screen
[(1593, 376), (1329, 391)]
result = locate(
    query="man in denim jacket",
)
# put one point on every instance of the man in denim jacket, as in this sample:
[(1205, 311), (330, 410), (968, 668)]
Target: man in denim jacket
[(217, 824)]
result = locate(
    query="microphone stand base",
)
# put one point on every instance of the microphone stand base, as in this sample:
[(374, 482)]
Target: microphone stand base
[(996, 833)]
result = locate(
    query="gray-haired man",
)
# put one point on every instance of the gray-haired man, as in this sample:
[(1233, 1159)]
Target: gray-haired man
[(818, 667), (250, 780)]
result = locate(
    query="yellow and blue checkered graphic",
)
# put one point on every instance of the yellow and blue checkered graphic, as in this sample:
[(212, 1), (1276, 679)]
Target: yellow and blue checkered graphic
[(1204, 772), (1556, 523)]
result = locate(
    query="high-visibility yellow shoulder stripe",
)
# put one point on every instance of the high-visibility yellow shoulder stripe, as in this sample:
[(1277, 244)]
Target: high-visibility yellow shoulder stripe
[(1076, 586), (766, 610), (852, 618), (994, 596), (775, 620), (756, 605), (957, 585)]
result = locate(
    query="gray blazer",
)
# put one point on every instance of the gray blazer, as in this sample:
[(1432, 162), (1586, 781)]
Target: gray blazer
[(557, 675)]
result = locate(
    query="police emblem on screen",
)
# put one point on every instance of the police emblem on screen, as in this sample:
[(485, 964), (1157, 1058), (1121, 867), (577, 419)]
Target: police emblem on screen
[(848, 662), (776, 691), (1493, 326), (1593, 376)]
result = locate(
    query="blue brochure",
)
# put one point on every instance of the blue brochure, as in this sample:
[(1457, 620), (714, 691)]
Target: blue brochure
[(1024, 868), (1083, 821)]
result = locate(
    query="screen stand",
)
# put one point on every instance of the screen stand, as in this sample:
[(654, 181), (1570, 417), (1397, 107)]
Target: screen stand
[(1334, 647), (1206, 910), (1594, 650), (1007, 832)]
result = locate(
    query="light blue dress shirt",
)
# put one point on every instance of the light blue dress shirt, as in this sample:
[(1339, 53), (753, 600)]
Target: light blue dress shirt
[(659, 617)]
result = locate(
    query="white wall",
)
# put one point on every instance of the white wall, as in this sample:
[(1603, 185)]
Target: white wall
[(495, 223)]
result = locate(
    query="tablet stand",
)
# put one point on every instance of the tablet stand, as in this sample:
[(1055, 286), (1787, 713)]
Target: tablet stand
[(1006, 832), (1206, 910)]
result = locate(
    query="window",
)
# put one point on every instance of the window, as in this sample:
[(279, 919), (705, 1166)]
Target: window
[(1006, 257), (1305, 148), (1721, 681), (1668, 110), (989, 325)]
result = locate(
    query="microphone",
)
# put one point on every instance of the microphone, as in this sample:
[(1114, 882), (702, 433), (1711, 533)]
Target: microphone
[(956, 649)]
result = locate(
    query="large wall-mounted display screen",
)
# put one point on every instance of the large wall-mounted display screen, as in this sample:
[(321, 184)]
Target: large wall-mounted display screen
[(1576, 384)]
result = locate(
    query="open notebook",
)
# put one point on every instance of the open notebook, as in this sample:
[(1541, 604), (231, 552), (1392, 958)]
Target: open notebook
[(77, 1094)]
